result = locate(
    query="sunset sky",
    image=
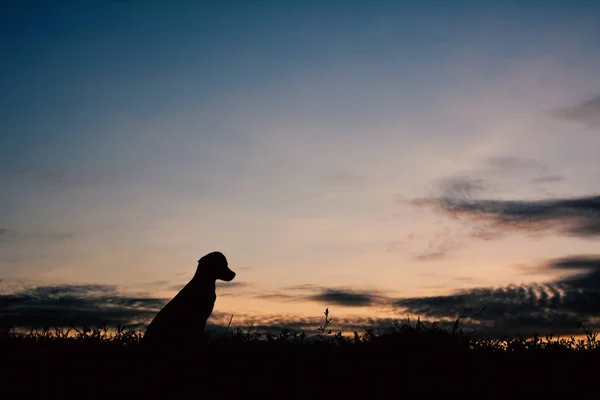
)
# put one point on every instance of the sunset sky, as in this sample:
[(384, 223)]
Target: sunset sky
[(383, 159)]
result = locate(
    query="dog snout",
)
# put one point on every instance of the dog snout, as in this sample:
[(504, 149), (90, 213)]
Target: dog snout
[(228, 275)]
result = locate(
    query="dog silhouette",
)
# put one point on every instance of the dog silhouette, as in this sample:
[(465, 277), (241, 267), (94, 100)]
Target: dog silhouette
[(181, 322)]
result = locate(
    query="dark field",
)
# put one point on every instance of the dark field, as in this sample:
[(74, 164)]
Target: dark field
[(410, 357)]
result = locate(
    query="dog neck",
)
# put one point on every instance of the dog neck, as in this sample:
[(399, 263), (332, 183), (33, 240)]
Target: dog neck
[(204, 281)]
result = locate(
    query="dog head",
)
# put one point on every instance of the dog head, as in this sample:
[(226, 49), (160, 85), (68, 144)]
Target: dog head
[(214, 266)]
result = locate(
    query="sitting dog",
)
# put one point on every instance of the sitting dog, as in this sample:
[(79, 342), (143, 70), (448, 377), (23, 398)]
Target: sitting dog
[(181, 323)]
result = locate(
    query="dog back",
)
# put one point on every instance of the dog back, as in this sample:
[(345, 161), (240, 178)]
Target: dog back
[(183, 319)]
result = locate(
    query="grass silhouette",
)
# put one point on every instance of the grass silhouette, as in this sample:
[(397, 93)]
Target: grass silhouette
[(407, 338), (291, 364)]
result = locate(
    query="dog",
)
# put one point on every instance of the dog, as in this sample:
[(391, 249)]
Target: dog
[(181, 322)]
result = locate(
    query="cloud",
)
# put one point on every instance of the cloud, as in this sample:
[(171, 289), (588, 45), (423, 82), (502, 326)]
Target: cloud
[(557, 307), (432, 255), (9, 236), (461, 186), (276, 296), (57, 177), (231, 285), (78, 305), (587, 112), (577, 216), (578, 262), (92, 305), (478, 180), (439, 246), (327, 296), (548, 179), (303, 287), (344, 298), (589, 275), (511, 164)]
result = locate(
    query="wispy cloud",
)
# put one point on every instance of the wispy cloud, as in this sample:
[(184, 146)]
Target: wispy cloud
[(231, 285), (78, 305), (345, 297), (92, 305), (587, 112), (482, 179), (461, 186), (8, 236), (556, 307), (548, 179), (439, 246), (276, 296), (578, 216), (512, 163), (53, 177)]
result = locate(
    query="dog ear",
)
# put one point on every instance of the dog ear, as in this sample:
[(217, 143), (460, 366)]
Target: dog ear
[(214, 258)]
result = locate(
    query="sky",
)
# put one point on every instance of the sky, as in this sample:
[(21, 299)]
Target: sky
[(382, 159)]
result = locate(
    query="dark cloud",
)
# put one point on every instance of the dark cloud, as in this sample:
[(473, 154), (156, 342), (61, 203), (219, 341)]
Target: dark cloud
[(578, 216), (78, 305), (578, 262), (344, 298), (327, 296), (461, 186), (589, 276), (587, 113), (92, 305), (557, 307)]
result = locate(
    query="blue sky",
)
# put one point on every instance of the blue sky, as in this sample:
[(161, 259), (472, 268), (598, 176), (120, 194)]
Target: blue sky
[(317, 144)]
